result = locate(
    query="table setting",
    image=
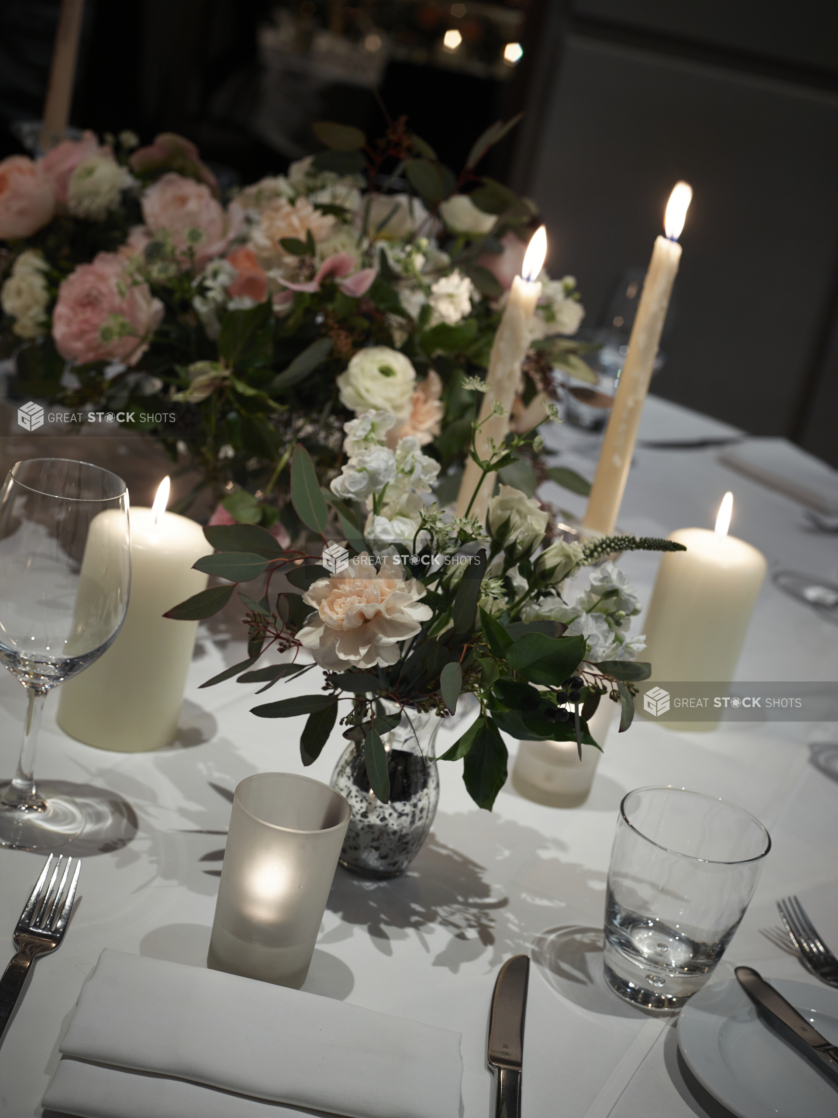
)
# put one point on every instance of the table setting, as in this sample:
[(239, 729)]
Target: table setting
[(486, 846)]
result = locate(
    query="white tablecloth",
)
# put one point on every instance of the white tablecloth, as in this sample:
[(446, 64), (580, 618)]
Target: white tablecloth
[(524, 878)]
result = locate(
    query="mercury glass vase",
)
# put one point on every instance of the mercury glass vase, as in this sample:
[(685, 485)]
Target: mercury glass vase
[(383, 839)]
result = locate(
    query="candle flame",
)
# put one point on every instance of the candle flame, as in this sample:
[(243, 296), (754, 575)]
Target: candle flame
[(725, 513), (536, 254), (161, 500), (676, 209)]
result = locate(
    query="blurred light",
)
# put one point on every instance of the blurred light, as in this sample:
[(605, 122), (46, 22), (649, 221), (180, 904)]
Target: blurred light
[(458, 10), (451, 40), (535, 255), (676, 209), (372, 43), (512, 53)]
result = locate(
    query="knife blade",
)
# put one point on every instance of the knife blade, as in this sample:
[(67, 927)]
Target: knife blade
[(506, 1034), (794, 1027)]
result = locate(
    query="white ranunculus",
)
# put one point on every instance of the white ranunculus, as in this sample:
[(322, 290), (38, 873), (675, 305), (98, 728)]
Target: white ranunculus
[(362, 615), (517, 518), (384, 530), (451, 298), (560, 560), (367, 472), (462, 216), (557, 312), (25, 295), (378, 378), (369, 429), (96, 186)]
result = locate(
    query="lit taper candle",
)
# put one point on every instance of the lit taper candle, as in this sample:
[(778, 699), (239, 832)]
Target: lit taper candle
[(504, 377), (633, 386), (130, 699)]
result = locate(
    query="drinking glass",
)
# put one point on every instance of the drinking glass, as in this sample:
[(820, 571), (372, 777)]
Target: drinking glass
[(683, 870), (65, 572)]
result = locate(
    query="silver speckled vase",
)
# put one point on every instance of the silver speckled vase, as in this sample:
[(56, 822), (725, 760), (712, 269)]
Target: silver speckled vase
[(383, 839)]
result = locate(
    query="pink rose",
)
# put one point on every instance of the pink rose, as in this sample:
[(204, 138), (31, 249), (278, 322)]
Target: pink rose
[(171, 152), (102, 315), (60, 163), (251, 280), (193, 219), (506, 265), (27, 200)]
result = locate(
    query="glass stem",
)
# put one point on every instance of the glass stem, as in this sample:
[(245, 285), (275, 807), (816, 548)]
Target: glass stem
[(21, 792)]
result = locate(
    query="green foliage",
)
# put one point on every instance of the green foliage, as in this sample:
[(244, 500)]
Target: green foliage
[(450, 685), (484, 768), (293, 707), (246, 337), (546, 660), (375, 758), (243, 537), (630, 671), (338, 137), (306, 362), (569, 479), (306, 497), (201, 605), (236, 566), (316, 731)]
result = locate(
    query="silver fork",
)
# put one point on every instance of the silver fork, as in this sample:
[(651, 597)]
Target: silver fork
[(802, 932), (39, 930)]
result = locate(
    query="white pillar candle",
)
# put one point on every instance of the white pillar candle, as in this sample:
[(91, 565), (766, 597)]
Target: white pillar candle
[(512, 341), (551, 773), (701, 606), (130, 699), (633, 386)]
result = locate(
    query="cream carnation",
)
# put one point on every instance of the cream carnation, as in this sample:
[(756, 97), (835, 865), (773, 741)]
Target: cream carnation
[(95, 187), (426, 412), (378, 378), (25, 295), (362, 615), (462, 216), (281, 220)]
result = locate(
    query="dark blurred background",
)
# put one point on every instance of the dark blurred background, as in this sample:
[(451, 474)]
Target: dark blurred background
[(621, 99)]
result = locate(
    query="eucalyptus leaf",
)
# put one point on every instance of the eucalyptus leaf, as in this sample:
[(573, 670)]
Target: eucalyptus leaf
[(546, 660), (237, 566), (627, 707), (243, 507), (484, 769), (228, 673), (427, 180), (496, 635), (250, 538), (375, 757), (359, 683), (338, 137), (631, 671), (305, 577), (569, 479), (316, 732), (303, 364), (464, 609), (306, 497), (294, 706), (464, 742), (201, 605), (493, 134), (450, 685)]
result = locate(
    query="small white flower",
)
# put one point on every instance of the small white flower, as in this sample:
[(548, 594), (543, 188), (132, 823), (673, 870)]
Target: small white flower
[(415, 469), (451, 298), (519, 519), (383, 530), (368, 472), (557, 312), (25, 295), (378, 378), (369, 429), (462, 216), (413, 299), (96, 186)]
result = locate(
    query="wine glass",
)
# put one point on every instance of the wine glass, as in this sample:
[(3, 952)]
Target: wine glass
[(65, 572)]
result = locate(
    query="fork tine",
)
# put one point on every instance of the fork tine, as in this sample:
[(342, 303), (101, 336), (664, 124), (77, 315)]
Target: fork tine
[(810, 927), (35, 895), (790, 925), (42, 908), (807, 949), (66, 908), (48, 922)]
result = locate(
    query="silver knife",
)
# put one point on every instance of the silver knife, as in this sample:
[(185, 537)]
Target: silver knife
[(506, 1034), (795, 1028)]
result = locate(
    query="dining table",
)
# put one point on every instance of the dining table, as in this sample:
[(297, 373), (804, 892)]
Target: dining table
[(526, 877)]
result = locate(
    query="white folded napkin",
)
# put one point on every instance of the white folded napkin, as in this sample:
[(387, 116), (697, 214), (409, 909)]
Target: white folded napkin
[(781, 465), (152, 1037)]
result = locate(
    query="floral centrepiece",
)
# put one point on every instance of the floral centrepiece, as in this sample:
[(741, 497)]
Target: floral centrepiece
[(429, 608), (367, 276)]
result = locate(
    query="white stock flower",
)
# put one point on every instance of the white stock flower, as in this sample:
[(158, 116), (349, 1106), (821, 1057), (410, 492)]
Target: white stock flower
[(25, 295), (362, 615), (611, 593), (95, 187), (213, 296), (369, 429), (368, 472), (451, 298), (415, 469), (378, 377), (519, 518), (385, 530), (462, 216), (412, 298), (557, 312)]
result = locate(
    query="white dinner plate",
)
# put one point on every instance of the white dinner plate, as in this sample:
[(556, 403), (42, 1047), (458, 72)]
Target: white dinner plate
[(744, 1064)]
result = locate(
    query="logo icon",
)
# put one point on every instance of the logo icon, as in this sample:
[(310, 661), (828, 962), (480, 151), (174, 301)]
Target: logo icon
[(656, 701), (30, 416), (335, 558)]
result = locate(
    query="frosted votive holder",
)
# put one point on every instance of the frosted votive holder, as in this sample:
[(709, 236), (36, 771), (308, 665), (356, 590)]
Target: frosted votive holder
[(285, 836)]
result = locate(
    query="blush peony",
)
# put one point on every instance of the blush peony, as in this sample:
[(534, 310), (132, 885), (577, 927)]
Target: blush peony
[(362, 614), (27, 199), (426, 412), (194, 220), (102, 315)]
